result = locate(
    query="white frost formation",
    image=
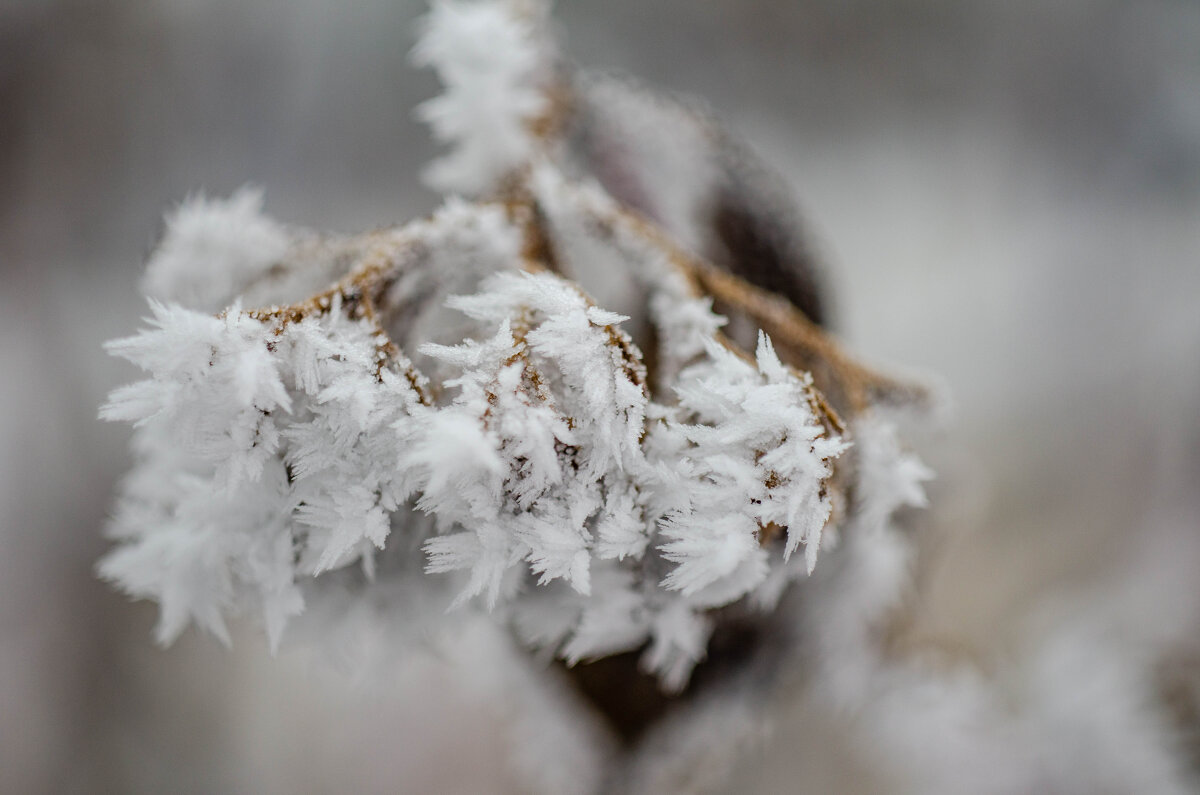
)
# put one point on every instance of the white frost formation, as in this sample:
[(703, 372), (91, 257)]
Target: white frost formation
[(213, 248), (274, 449), (456, 425), (494, 67)]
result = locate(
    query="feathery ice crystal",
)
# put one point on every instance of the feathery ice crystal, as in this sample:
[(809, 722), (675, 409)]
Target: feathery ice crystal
[(539, 408), (446, 392)]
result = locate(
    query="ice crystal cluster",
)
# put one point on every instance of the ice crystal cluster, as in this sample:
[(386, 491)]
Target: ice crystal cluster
[(526, 401), (589, 402), (274, 446)]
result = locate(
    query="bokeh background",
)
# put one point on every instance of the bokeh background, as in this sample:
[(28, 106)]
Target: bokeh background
[(1006, 195)]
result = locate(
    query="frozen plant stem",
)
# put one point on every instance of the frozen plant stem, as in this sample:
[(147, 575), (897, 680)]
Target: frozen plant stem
[(523, 406)]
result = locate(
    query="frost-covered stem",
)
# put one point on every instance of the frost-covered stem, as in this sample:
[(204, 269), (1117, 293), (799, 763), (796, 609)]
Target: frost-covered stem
[(803, 344), (522, 465)]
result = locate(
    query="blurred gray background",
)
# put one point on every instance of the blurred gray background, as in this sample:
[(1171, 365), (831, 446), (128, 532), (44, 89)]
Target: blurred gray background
[(1005, 194)]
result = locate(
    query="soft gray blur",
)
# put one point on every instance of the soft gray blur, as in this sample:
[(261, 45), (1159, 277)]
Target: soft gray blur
[(1005, 194)]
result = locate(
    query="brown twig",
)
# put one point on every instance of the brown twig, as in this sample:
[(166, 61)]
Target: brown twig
[(838, 377)]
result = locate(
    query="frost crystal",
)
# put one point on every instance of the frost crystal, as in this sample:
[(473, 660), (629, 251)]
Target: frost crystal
[(587, 415), (490, 62), (456, 409), (212, 249)]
